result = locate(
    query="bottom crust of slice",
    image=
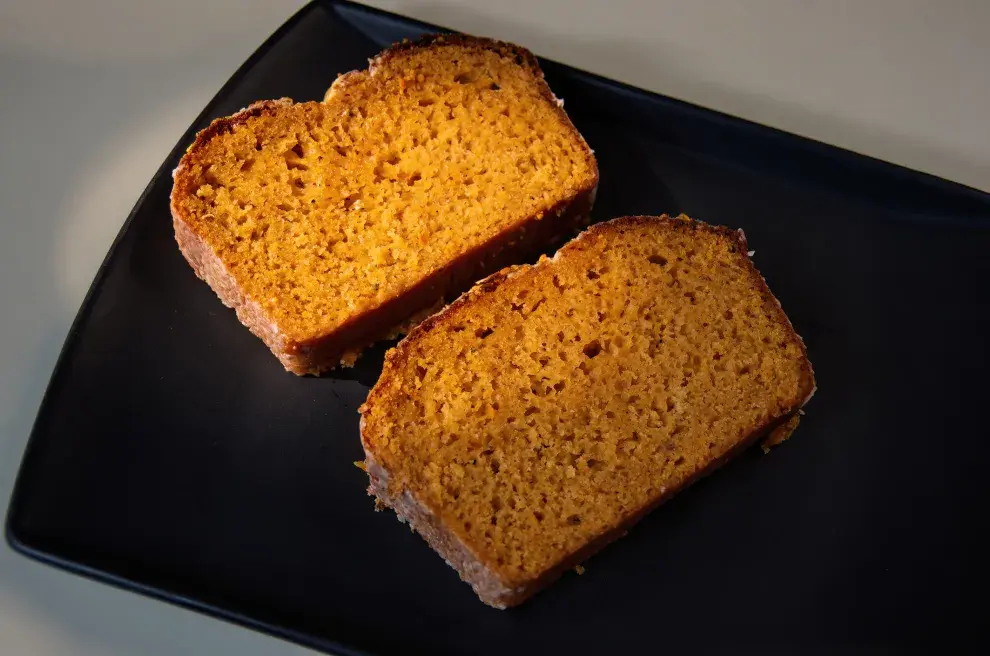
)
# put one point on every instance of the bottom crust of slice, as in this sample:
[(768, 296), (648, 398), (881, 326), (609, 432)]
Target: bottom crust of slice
[(489, 587)]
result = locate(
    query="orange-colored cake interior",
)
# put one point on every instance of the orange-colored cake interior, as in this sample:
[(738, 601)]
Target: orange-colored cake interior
[(325, 210), (535, 418)]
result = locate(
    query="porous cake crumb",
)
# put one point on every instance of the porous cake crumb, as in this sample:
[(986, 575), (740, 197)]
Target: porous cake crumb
[(549, 408), (327, 224)]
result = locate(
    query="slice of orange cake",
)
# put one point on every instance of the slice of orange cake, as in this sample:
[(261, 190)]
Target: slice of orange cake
[(327, 224), (548, 409)]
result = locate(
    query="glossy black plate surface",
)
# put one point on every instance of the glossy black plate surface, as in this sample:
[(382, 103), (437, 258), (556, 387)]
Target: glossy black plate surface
[(173, 455)]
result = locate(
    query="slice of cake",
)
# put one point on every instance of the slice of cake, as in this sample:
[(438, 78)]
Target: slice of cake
[(549, 408), (327, 224)]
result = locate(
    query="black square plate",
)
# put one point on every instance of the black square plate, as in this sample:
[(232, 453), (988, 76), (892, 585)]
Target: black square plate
[(172, 454)]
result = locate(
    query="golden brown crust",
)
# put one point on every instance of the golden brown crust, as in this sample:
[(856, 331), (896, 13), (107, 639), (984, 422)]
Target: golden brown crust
[(227, 124), (484, 576), (314, 355), (523, 56)]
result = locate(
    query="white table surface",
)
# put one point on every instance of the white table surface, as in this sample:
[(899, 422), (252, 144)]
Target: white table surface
[(94, 95)]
